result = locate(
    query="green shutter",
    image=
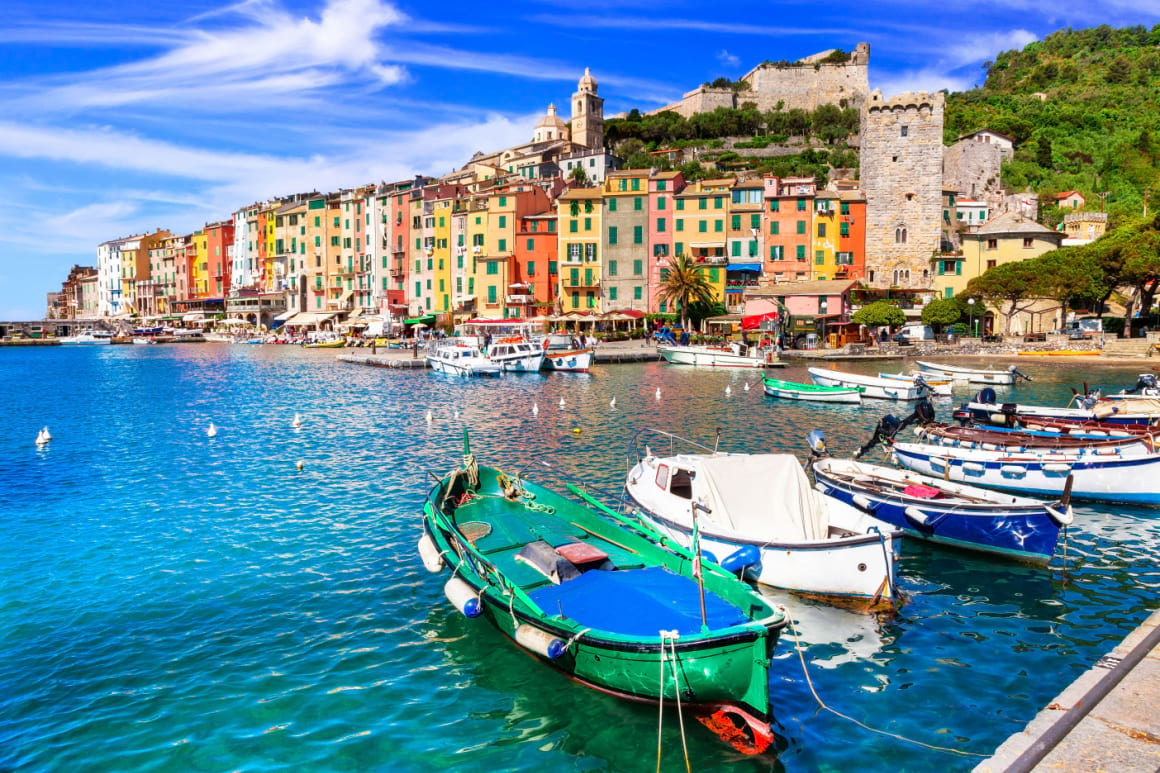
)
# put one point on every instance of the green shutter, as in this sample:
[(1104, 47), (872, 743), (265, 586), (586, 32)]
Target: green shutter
[(638, 234), (612, 234)]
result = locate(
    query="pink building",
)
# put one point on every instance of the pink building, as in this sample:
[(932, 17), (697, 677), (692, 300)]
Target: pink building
[(661, 187)]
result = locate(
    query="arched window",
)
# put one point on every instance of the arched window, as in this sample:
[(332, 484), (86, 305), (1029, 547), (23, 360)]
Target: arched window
[(900, 235)]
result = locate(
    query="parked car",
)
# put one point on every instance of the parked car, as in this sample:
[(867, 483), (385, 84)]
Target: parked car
[(911, 333), (1083, 328)]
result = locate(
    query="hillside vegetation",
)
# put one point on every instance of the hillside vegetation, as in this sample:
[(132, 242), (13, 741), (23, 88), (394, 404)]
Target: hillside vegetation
[(1081, 106)]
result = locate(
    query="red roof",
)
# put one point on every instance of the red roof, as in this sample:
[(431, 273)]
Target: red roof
[(1067, 194)]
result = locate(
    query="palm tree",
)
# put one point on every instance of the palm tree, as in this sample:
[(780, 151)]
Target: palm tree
[(685, 284)]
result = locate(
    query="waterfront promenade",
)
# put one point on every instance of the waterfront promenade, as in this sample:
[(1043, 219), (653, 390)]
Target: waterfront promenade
[(1105, 720)]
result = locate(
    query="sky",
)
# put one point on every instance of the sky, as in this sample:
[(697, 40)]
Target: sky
[(118, 118)]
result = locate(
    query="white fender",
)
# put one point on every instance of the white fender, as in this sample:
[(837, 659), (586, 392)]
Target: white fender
[(432, 561)]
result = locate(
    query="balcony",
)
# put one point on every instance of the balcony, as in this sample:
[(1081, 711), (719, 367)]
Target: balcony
[(397, 273), (518, 299)]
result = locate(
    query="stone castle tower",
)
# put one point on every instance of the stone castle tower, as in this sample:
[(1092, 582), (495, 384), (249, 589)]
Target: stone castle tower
[(587, 114), (901, 158)]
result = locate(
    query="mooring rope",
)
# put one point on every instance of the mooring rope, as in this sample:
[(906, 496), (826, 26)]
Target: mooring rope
[(863, 725)]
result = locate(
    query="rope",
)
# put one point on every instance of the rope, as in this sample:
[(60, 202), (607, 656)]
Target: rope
[(661, 704), (863, 725), (677, 695), (576, 636)]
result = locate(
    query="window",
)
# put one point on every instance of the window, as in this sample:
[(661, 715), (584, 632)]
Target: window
[(502, 203), (587, 224), (531, 268), (821, 230), (820, 257), (900, 235), (574, 252), (680, 225), (990, 264), (612, 203), (844, 229), (638, 234), (573, 226), (574, 276), (503, 221), (1028, 243), (773, 206), (702, 203), (503, 245), (801, 252), (636, 293), (638, 267), (735, 222), (636, 183), (590, 297), (492, 267), (660, 202), (612, 268), (736, 246), (992, 244), (661, 185), (589, 252), (491, 294), (755, 221), (801, 205), (904, 130), (948, 292), (718, 202), (660, 225), (703, 226), (714, 275), (845, 207), (612, 234), (776, 252), (612, 290), (680, 204), (773, 228), (531, 245), (637, 202), (552, 267), (801, 226), (679, 248)]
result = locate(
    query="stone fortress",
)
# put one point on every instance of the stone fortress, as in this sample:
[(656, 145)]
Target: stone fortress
[(804, 84)]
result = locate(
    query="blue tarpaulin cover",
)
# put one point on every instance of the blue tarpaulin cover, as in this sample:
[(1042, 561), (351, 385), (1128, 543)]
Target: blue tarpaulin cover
[(636, 602)]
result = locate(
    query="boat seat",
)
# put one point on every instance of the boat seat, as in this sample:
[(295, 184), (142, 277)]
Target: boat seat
[(638, 602)]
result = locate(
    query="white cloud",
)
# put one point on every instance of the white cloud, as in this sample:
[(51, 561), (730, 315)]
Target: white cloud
[(728, 59), (979, 48)]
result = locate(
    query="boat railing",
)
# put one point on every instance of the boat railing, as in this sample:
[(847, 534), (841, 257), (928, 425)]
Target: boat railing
[(634, 451)]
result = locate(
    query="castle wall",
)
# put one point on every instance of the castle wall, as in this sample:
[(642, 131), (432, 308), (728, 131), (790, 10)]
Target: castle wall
[(901, 175), (972, 170)]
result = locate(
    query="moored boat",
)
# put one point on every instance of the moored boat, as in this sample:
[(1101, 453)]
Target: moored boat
[(460, 358), (947, 513), (606, 606), (973, 375), (872, 386), (1130, 410), (735, 355), (759, 515), (939, 387), (999, 438), (790, 390), (88, 337), (566, 353)]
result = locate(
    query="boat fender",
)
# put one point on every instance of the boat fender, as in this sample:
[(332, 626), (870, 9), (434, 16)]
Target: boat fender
[(432, 560), (916, 515), (706, 555), (463, 597), (541, 642), (741, 559), (863, 502)]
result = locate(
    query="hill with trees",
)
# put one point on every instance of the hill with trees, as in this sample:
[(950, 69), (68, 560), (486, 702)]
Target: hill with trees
[(1081, 106)]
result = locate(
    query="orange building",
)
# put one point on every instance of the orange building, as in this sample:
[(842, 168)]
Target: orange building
[(536, 264), (851, 257)]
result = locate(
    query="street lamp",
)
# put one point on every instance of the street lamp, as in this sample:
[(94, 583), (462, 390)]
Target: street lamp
[(971, 306)]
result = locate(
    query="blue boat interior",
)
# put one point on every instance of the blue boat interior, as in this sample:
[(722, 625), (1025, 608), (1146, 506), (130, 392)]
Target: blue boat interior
[(636, 602)]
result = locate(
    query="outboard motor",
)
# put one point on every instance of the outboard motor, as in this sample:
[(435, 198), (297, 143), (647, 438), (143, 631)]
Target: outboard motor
[(986, 395), (817, 442), (886, 429), (1146, 382), (1019, 373)]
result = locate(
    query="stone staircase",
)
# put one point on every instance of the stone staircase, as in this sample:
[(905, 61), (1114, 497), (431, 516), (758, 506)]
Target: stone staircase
[(1128, 347)]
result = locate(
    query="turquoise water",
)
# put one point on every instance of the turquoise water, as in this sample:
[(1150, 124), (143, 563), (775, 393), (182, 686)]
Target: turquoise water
[(174, 602)]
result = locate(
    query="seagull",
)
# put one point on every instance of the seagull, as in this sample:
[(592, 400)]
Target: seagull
[(612, 403), (41, 440), (297, 421), (456, 414), (212, 431), (658, 393), (47, 434), (430, 417), (562, 403), (728, 389), (746, 386), (535, 410)]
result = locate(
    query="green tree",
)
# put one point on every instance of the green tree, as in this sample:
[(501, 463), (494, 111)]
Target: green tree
[(1013, 285), (579, 176), (1043, 152), (879, 313), (1068, 275), (685, 284), (942, 312)]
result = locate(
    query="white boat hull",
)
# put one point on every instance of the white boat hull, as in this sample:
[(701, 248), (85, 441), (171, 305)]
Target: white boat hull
[(846, 396), (1096, 477), (711, 357), (872, 386), (941, 388), (969, 375), (579, 360)]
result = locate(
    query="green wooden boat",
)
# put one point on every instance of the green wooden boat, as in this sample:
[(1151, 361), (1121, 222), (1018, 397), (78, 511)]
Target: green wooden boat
[(600, 597), (791, 390)]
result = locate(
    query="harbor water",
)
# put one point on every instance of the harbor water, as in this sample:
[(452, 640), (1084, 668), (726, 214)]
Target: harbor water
[(171, 601)]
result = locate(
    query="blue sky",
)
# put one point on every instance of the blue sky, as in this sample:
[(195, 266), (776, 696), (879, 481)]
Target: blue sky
[(122, 117)]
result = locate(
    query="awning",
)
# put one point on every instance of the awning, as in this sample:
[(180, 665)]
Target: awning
[(193, 316), (704, 245), (753, 322), (284, 316), (426, 319), (310, 317), (744, 267)]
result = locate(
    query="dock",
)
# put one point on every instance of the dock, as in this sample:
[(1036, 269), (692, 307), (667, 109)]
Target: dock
[(1106, 719)]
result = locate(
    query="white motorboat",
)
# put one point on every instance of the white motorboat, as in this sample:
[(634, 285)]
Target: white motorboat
[(757, 513), (566, 353), (789, 390), (973, 375), (1098, 476), (938, 387), (460, 358), (516, 354), (89, 337), (872, 386), (735, 355)]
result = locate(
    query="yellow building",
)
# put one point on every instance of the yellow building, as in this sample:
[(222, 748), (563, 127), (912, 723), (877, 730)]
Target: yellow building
[(579, 214), (825, 235), (199, 271), (442, 280)]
